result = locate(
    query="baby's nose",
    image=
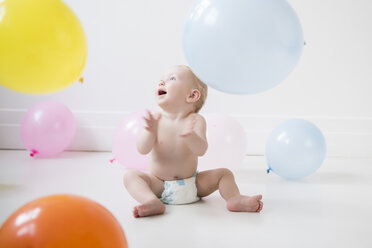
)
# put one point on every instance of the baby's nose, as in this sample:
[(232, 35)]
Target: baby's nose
[(161, 83)]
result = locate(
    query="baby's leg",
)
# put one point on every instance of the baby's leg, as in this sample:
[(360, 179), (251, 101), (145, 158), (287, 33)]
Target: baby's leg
[(222, 179), (146, 189)]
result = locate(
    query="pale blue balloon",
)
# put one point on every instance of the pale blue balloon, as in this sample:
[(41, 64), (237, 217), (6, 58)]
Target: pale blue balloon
[(242, 46), (295, 149)]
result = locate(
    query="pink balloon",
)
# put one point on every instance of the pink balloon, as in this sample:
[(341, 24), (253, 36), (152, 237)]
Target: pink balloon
[(124, 145), (47, 129), (226, 143)]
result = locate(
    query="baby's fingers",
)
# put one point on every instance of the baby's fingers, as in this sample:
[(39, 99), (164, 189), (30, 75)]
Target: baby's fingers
[(148, 119), (148, 128), (149, 115), (148, 123)]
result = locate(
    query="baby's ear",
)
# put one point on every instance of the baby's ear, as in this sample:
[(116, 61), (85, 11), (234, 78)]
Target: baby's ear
[(193, 96)]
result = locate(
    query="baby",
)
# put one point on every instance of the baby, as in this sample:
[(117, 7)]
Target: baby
[(175, 137)]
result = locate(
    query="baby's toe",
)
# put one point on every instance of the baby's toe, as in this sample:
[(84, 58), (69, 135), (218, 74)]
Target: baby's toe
[(259, 197), (260, 207), (135, 212)]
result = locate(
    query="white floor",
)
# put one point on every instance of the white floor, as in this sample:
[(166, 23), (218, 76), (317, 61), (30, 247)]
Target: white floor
[(332, 208)]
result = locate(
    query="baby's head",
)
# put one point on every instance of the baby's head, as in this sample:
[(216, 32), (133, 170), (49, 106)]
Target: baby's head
[(179, 87), (201, 87)]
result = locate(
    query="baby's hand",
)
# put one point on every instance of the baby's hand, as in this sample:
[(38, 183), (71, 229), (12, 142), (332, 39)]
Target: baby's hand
[(151, 122), (189, 126)]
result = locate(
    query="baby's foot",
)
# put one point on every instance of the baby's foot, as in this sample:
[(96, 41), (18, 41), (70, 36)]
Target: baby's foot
[(242, 203), (152, 207)]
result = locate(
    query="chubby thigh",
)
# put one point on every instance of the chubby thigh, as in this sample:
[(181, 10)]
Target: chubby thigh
[(210, 180), (155, 184)]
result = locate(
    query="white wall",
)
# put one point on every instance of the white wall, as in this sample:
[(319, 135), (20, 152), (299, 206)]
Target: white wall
[(131, 43)]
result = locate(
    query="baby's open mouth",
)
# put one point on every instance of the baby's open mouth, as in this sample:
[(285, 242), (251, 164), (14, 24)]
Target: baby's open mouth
[(161, 92)]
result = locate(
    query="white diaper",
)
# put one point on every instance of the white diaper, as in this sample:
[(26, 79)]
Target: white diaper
[(182, 191)]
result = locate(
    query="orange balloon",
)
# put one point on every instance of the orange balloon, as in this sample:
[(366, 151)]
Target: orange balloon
[(62, 221)]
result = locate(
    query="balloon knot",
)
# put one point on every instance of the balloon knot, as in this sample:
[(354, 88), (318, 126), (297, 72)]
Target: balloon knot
[(268, 170), (33, 153), (112, 160), (81, 80)]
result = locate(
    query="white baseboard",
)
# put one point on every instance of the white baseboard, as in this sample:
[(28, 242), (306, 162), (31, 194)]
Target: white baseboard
[(345, 136)]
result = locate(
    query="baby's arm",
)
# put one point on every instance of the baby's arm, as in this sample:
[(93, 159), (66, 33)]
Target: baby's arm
[(148, 136), (194, 134)]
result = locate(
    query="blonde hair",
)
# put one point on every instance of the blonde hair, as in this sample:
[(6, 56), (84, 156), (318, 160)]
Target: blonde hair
[(201, 87)]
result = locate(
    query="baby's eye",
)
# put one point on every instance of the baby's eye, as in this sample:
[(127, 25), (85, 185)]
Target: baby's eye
[(172, 78)]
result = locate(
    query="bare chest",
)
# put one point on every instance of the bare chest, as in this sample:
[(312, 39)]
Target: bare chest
[(169, 136), (171, 158)]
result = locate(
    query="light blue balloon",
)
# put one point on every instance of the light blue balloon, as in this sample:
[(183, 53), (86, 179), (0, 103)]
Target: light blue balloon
[(295, 149), (242, 46)]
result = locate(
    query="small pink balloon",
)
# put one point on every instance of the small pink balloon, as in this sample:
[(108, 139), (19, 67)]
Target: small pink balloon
[(226, 142), (124, 145), (47, 129)]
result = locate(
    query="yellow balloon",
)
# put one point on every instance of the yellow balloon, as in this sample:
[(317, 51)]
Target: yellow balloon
[(43, 47)]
